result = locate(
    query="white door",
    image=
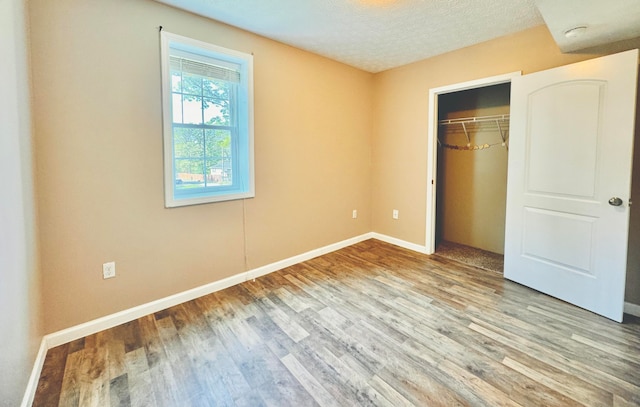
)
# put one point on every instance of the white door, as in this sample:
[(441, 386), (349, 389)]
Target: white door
[(570, 152)]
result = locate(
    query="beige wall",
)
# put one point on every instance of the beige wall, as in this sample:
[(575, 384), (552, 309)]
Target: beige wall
[(99, 159), (20, 323), (472, 184), (399, 155)]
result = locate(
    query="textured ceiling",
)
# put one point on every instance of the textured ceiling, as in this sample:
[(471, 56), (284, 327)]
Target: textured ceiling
[(375, 35)]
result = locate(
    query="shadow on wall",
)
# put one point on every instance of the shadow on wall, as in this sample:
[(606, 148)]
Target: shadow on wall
[(632, 291)]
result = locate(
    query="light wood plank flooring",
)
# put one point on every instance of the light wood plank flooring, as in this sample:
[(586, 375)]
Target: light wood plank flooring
[(371, 324)]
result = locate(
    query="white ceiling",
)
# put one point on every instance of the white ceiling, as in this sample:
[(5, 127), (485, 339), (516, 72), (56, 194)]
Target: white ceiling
[(606, 21), (375, 35)]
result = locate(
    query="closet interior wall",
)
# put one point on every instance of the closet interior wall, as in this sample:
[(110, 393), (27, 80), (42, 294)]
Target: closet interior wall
[(472, 183)]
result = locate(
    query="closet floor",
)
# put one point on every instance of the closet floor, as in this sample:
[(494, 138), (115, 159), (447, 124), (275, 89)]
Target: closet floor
[(471, 256)]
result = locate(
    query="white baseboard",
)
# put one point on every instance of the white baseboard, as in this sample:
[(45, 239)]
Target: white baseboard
[(279, 265), (402, 243), (632, 309), (32, 385), (109, 321)]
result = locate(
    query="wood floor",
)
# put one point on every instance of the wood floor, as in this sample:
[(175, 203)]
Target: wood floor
[(371, 325)]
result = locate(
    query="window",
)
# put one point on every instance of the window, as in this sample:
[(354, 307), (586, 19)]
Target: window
[(207, 98)]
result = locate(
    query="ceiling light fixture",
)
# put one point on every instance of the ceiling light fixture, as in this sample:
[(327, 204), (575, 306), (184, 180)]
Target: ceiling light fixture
[(575, 31), (377, 3)]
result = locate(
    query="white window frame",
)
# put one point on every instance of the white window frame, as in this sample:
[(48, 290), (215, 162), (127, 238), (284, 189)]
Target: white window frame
[(172, 44)]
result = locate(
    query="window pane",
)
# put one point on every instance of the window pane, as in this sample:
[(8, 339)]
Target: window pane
[(191, 175), (176, 107), (218, 175), (216, 112), (191, 84), (192, 109), (176, 81), (219, 160), (188, 150), (188, 142), (218, 143), (215, 88)]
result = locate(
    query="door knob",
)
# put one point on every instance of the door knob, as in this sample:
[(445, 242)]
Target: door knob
[(615, 201)]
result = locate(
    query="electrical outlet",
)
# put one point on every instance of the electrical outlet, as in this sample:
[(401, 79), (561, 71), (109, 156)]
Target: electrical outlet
[(354, 214), (395, 214), (109, 270)]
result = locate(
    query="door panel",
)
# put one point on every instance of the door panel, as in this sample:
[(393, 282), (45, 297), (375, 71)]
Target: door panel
[(578, 123), (571, 143), (561, 239)]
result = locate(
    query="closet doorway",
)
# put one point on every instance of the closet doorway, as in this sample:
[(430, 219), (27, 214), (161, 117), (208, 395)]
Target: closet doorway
[(468, 160)]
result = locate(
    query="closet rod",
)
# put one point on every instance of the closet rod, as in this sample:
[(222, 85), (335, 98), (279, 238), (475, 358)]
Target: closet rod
[(478, 119)]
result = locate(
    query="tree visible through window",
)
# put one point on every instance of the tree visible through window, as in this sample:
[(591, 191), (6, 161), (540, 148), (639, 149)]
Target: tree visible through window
[(208, 124)]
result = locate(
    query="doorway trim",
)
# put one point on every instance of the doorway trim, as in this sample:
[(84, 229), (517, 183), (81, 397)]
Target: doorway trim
[(432, 145)]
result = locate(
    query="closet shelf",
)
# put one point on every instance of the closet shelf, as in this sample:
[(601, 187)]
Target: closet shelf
[(497, 123), (495, 119)]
